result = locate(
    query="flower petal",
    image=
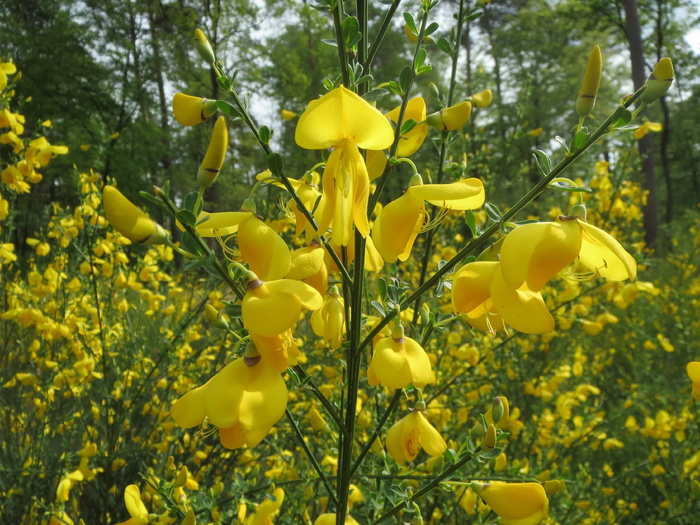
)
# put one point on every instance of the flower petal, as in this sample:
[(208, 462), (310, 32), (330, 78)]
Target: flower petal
[(430, 438), (517, 503), (536, 252), (221, 224), (396, 227), (264, 250), (341, 114), (189, 411), (522, 309), (471, 285), (601, 252), (467, 194)]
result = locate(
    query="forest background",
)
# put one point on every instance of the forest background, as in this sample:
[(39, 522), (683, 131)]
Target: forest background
[(104, 72)]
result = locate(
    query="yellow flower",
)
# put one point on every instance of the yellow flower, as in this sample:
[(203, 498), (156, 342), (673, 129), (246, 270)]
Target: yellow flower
[(261, 247), (693, 370), (189, 110), (646, 127), (244, 400), (129, 220), (345, 122), (329, 320), (273, 307), (515, 503), (267, 509), (405, 439), (399, 223), (591, 82), (137, 510), (6, 68), (399, 361), (533, 253), (329, 519), (451, 118), (307, 265), (214, 158), (287, 115), (480, 292), (411, 141), (40, 152), (482, 99)]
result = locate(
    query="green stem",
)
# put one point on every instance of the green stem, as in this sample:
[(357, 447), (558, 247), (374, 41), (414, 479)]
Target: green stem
[(368, 446), (307, 380), (430, 486), (353, 359), (315, 464), (386, 23), (338, 12)]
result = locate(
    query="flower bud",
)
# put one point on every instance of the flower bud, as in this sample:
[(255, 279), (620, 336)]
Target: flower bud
[(189, 110), (451, 118), (129, 220), (201, 42), (214, 317), (591, 82), (553, 486), (214, 158), (659, 81), (490, 439), (477, 431)]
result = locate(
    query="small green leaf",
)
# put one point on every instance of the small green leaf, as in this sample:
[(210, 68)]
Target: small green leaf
[(473, 16), (411, 23), (407, 126), (432, 28), (274, 163), (151, 198), (186, 217), (224, 83), (265, 134), (542, 158), (329, 42), (375, 94), (493, 212), (381, 284), (444, 45), (621, 117), (351, 30), (190, 201), (227, 109), (193, 265), (420, 58), (394, 87), (424, 69), (579, 141), (561, 141), (233, 310), (379, 307), (491, 453), (190, 244), (470, 219), (405, 79), (450, 455)]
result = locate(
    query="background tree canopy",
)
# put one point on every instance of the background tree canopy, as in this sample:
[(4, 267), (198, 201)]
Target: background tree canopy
[(105, 73)]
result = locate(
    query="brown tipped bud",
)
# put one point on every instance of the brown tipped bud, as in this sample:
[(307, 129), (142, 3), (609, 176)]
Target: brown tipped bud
[(591, 82), (201, 42), (490, 439), (659, 82), (214, 158)]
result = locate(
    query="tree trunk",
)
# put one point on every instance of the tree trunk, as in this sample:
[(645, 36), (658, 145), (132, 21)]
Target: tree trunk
[(650, 209)]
